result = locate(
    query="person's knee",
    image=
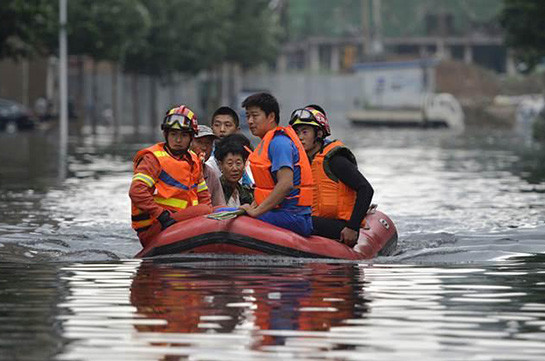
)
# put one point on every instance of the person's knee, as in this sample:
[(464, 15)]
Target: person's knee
[(307, 227), (147, 236)]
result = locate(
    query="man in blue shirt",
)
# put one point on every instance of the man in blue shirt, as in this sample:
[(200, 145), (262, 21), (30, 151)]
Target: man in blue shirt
[(281, 170)]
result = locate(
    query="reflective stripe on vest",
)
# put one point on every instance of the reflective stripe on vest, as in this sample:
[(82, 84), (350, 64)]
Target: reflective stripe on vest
[(149, 181), (260, 164), (332, 198), (176, 187)]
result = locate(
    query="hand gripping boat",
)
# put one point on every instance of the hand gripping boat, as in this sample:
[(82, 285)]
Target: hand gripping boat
[(248, 236)]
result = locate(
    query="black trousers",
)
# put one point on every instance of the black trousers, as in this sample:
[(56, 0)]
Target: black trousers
[(327, 227)]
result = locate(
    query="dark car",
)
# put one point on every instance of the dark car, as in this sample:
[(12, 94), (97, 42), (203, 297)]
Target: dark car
[(15, 116)]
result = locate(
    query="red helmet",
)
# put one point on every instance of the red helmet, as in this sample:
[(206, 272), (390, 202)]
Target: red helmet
[(310, 116), (181, 118)]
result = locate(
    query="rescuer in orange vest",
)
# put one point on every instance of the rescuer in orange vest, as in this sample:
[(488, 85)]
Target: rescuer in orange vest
[(168, 184), (281, 170), (342, 195)]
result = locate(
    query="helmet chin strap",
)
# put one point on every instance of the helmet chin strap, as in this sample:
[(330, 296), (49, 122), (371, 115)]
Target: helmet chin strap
[(317, 146), (318, 139), (177, 153)]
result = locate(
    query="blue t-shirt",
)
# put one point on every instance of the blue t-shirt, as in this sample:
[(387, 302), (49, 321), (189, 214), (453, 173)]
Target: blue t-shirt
[(284, 153)]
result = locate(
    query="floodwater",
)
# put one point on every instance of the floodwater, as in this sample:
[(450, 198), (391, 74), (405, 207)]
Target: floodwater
[(467, 282)]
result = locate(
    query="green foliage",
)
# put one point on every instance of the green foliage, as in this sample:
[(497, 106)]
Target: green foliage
[(104, 29), (399, 17), (524, 24), (23, 24), (324, 18), (407, 18), (184, 35), (146, 36), (189, 36), (255, 33)]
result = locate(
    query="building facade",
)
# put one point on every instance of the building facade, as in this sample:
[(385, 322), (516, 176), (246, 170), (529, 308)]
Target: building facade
[(336, 35)]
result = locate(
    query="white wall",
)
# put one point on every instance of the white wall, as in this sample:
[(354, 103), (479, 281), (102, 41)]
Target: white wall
[(336, 93)]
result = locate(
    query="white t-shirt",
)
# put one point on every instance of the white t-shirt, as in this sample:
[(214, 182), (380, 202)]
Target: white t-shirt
[(234, 200), (212, 163)]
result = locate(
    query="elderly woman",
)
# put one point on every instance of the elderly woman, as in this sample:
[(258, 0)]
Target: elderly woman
[(231, 153)]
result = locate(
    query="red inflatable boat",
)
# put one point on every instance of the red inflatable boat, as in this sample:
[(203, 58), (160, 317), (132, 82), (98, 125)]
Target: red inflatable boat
[(248, 236)]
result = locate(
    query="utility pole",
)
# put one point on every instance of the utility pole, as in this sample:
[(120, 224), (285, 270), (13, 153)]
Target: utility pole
[(365, 27), (63, 85), (377, 47)]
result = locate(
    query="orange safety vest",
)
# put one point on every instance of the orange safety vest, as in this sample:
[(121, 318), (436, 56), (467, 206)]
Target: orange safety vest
[(260, 164), (332, 198), (177, 185)]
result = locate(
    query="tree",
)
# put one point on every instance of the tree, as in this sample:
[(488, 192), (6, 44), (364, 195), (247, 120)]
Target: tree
[(254, 39), (255, 34), (23, 25), (104, 30), (185, 37), (523, 21)]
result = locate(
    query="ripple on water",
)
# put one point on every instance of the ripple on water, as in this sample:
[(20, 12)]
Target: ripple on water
[(466, 282), (220, 310)]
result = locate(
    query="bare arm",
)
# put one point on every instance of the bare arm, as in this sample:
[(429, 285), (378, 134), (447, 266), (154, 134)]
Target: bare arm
[(284, 185)]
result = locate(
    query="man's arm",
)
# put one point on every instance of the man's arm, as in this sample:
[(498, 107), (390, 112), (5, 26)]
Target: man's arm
[(281, 154), (214, 186), (203, 194), (348, 173), (283, 187), (146, 174)]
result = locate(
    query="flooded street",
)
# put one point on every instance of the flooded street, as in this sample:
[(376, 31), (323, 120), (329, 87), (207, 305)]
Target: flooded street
[(466, 282)]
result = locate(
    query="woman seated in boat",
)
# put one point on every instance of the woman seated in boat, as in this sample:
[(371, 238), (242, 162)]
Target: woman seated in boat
[(231, 153), (342, 194)]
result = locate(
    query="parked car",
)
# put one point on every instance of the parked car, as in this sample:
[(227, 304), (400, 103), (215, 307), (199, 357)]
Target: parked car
[(15, 116)]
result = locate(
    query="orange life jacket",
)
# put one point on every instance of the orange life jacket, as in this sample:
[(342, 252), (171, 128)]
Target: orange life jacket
[(177, 185), (332, 198), (260, 165)]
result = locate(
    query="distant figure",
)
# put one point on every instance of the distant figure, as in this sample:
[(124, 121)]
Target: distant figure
[(342, 194), (168, 184), (283, 179), (202, 145), (41, 108), (107, 115), (231, 153)]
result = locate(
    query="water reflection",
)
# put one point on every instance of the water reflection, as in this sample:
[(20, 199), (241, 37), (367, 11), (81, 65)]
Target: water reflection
[(465, 198), (203, 308), (28, 296), (260, 310), (310, 297), (531, 167), (28, 160)]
